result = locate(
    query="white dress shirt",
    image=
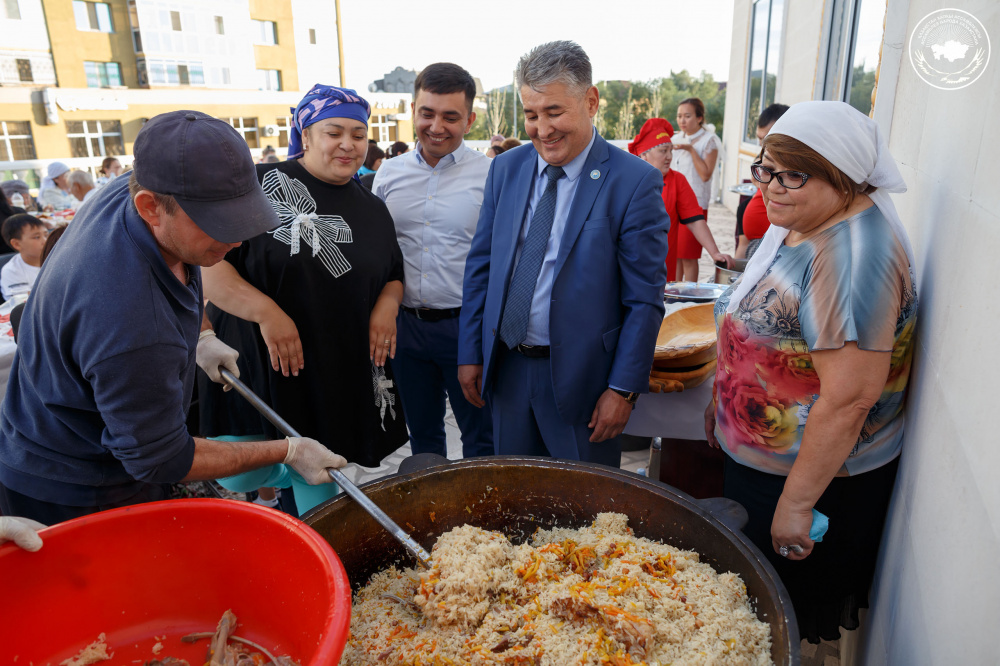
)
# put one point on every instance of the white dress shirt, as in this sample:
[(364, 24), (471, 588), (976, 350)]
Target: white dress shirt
[(538, 318), (435, 210)]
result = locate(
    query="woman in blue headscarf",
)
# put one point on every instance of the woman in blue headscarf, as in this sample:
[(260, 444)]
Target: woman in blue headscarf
[(323, 289)]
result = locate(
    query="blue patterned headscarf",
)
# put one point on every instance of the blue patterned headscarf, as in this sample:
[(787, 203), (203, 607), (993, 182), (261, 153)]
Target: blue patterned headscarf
[(324, 102)]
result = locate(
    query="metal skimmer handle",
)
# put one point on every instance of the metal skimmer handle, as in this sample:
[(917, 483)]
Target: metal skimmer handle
[(373, 510)]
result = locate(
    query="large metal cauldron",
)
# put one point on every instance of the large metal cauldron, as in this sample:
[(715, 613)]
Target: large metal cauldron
[(517, 495)]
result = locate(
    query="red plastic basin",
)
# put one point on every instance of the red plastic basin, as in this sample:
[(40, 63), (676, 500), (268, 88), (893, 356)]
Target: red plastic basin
[(170, 569)]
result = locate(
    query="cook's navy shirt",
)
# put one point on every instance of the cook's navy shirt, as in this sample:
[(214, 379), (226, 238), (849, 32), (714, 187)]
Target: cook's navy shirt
[(105, 364)]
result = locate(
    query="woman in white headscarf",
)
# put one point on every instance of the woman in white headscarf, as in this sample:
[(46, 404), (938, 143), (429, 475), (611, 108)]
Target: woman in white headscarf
[(815, 345), (54, 191)]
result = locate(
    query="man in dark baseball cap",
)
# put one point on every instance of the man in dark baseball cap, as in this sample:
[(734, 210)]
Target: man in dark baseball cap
[(95, 410), (205, 165)]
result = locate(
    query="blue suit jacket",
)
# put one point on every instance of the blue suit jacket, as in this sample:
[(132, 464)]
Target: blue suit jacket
[(607, 292)]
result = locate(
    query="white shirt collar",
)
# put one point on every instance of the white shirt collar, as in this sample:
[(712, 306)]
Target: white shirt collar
[(454, 157)]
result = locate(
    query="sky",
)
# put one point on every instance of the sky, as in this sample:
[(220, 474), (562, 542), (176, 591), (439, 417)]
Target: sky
[(626, 39)]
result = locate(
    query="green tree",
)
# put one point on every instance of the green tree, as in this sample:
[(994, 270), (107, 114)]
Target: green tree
[(659, 98), (862, 85)]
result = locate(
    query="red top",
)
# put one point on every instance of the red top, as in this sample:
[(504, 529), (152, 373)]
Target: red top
[(755, 222), (683, 208)]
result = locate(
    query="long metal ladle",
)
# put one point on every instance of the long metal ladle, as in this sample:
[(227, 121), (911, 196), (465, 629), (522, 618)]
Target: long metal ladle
[(422, 556)]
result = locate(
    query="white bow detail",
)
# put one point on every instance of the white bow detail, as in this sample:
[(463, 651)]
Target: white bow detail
[(308, 221), (299, 222)]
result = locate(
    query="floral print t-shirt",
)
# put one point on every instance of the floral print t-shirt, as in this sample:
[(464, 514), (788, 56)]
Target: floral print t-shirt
[(851, 282)]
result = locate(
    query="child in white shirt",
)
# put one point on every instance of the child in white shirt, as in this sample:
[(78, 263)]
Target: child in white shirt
[(26, 234)]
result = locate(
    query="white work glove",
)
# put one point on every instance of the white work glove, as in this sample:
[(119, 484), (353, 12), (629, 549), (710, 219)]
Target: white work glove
[(311, 459), (213, 352), (22, 531)]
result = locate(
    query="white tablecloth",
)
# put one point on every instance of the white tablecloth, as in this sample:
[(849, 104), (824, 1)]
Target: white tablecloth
[(678, 415)]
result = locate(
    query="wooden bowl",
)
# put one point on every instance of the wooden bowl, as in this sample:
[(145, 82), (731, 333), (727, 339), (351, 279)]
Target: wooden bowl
[(688, 361), (661, 381), (685, 332)]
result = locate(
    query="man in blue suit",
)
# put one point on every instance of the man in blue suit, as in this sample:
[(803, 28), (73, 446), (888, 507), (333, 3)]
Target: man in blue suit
[(563, 294)]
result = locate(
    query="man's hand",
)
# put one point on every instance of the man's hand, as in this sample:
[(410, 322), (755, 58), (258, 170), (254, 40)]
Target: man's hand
[(471, 379), (212, 353), (311, 460), (283, 344), (22, 531), (610, 416)]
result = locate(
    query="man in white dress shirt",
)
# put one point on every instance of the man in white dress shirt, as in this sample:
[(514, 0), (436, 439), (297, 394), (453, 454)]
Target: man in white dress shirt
[(434, 194)]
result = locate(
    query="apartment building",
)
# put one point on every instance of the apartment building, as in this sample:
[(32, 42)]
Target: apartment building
[(79, 78)]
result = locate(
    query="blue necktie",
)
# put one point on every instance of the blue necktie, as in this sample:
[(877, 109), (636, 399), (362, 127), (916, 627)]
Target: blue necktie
[(514, 327)]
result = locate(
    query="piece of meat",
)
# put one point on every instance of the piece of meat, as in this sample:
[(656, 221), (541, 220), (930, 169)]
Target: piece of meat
[(92, 654), (507, 642), (217, 652), (169, 661)]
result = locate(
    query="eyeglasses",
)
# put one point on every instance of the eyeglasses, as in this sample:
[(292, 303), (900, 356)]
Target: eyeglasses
[(791, 180)]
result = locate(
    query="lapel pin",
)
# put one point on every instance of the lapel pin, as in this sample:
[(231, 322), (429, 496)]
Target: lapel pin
[(595, 174)]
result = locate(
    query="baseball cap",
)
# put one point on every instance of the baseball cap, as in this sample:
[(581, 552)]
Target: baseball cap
[(205, 165)]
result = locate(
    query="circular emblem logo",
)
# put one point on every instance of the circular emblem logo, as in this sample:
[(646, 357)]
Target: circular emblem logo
[(949, 49)]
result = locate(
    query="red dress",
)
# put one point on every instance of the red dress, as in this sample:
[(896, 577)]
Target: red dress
[(682, 207), (755, 222)]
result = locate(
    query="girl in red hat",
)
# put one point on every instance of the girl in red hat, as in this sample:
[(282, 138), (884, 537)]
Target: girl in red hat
[(653, 145)]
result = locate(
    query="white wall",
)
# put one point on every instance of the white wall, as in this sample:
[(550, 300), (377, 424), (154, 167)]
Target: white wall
[(319, 62), (28, 33), (937, 591)]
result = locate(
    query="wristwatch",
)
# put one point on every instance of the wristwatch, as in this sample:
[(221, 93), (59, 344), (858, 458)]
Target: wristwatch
[(630, 396)]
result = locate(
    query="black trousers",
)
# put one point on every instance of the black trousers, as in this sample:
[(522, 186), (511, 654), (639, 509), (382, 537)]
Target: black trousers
[(831, 585), (13, 503)]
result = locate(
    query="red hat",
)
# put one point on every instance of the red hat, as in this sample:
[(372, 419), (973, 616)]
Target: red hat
[(654, 132)]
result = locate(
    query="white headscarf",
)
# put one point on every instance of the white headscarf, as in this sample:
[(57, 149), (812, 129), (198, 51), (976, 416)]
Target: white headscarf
[(56, 169), (849, 140)]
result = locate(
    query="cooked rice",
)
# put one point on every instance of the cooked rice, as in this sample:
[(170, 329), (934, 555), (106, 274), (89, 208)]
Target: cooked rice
[(596, 595)]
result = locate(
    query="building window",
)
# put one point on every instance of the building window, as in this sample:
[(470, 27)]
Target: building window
[(11, 9), (382, 129), (175, 21), (24, 70), (312, 35), (15, 141), (264, 32), (102, 74), (284, 123), (171, 72), (856, 33), (93, 16), (95, 138), (248, 128), (220, 26), (268, 79), (765, 53)]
